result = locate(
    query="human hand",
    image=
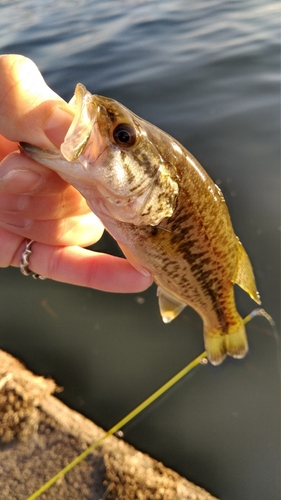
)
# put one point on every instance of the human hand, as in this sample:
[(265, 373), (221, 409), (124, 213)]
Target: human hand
[(35, 203)]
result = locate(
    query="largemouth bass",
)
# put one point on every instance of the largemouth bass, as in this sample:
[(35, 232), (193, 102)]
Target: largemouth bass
[(163, 209)]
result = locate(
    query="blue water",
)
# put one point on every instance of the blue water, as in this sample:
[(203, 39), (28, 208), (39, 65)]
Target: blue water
[(207, 72)]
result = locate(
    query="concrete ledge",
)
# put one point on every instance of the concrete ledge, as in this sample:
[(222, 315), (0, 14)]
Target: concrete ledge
[(39, 435)]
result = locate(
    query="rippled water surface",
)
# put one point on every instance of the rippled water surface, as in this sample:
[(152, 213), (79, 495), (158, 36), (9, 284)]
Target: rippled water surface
[(206, 72)]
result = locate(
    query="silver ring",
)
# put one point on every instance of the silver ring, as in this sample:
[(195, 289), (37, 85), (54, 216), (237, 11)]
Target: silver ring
[(24, 263)]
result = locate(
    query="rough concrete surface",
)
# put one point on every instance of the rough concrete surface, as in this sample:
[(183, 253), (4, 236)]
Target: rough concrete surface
[(39, 435)]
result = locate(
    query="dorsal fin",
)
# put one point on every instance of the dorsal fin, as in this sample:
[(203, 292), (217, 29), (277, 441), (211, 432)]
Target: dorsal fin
[(244, 274), (169, 307)]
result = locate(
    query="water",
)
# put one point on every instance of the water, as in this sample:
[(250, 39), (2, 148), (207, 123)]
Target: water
[(207, 73)]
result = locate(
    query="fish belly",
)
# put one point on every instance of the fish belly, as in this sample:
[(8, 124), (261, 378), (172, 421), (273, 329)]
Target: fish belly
[(195, 270)]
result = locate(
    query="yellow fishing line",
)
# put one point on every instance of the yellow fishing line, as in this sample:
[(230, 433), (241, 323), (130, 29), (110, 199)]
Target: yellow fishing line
[(260, 312), (139, 409), (120, 424)]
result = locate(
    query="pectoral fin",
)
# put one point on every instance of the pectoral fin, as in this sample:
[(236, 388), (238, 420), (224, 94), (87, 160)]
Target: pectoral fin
[(244, 274), (169, 307)]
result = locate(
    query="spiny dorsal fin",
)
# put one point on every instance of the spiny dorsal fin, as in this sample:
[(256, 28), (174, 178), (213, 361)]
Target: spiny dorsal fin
[(244, 274), (169, 307)]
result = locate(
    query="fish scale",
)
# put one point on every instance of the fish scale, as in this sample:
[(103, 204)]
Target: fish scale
[(164, 211)]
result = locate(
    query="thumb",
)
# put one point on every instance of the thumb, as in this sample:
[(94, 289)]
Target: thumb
[(29, 110)]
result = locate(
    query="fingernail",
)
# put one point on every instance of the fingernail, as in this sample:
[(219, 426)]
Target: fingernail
[(144, 272), (57, 125), (12, 221), (14, 204), (21, 182)]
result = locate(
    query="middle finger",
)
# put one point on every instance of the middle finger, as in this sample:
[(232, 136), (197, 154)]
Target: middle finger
[(67, 203), (22, 175)]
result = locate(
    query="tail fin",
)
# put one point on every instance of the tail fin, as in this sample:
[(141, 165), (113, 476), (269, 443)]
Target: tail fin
[(232, 343)]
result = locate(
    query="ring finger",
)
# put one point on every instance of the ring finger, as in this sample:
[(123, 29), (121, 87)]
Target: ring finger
[(79, 230)]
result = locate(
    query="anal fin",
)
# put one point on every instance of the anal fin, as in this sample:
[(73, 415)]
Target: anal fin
[(244, 274), (169, 306)]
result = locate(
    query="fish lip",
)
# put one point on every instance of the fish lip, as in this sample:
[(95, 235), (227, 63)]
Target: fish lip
[(24, 147), (81, 128), (27, 148), (80, 131), (33, 151)]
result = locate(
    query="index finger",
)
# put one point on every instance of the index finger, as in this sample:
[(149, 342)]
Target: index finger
[(29, 110), (6, 147)]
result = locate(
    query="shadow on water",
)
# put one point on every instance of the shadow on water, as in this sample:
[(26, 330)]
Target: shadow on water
[(206, 72)]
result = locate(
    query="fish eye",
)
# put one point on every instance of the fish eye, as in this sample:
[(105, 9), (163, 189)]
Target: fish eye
[(124, 135)]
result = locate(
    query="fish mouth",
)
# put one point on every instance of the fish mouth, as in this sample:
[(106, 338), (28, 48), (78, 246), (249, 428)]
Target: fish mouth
[(83, 143), (78, 134), (82, 126), (34, 151)]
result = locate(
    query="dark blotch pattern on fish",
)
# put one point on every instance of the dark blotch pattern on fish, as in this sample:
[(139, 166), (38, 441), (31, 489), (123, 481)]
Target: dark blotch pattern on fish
[(168, 217)]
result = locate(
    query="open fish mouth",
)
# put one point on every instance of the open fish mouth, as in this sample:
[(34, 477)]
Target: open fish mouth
[(82, 125)]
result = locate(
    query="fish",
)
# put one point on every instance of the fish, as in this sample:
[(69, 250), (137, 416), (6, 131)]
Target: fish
[(163, 209)]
